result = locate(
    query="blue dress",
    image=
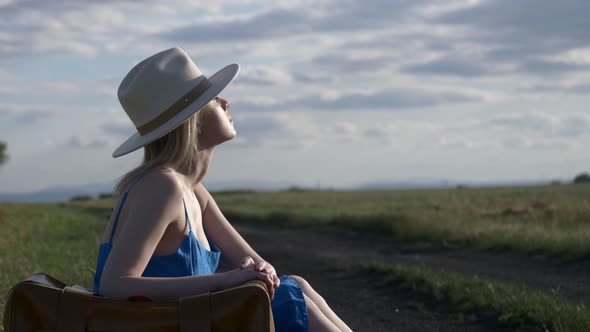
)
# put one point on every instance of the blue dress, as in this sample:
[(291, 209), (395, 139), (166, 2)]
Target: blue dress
[(288, 306)]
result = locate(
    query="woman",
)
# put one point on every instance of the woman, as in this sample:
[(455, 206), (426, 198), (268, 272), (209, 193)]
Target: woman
[(154, 245)]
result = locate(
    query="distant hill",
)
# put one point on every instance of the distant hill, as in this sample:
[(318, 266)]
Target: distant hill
[(64, 193), (246, 185), (446, 183), (59, 193), (410, 184)]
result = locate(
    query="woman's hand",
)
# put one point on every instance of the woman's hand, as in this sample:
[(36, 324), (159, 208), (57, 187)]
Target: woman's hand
[(261, 266), (240, 276)]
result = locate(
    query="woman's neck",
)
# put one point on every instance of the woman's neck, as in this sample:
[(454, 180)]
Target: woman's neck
[(192, 177)]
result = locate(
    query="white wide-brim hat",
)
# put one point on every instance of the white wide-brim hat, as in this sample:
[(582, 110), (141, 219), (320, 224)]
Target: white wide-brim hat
[(164, 90)]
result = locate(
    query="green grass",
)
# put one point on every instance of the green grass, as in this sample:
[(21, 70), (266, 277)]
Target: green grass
[(511, 306), (62, 239), (552, 220), (57, 240)]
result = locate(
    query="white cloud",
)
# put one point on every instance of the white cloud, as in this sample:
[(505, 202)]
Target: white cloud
[(454, 142), (384, 99), (542, 124), (576, 56), (4, 75), (264, 75), (280, 22), (118, 129), (345, 128), (82, 142), (17, 109), (521, 142), (474, 80), (55, 87), (30, 113), (451, 66), (525, 33), (8, 91), (436, 9), (278, 129), (501, 133)]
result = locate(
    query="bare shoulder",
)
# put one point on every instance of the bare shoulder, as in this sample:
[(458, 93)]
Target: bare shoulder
[(156, 194), (156, 183)]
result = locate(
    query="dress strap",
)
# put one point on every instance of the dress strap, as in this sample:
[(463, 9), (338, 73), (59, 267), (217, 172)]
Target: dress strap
[(121, 206), (186, 216)]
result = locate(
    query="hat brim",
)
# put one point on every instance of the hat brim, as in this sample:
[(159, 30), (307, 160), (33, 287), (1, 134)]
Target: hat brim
[(218, 81)]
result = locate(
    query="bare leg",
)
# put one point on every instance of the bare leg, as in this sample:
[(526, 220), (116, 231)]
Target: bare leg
[(320, 303), (316, 319)]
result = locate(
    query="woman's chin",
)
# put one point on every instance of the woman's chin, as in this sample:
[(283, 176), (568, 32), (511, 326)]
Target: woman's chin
[(230, 136)]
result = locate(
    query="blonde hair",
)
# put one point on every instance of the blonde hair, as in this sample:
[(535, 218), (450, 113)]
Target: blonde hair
[(178, 148)]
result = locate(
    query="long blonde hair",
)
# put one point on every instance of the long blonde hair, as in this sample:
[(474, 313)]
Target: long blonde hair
[(178, 148)]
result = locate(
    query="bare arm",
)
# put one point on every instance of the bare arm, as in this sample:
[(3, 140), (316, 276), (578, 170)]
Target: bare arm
[(147, 220), (232, 245), (234, 249)]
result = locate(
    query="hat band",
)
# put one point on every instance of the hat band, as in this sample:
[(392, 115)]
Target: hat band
[(175, 108)]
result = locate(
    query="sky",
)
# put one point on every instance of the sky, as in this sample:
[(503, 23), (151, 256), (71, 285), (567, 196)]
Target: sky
[(333, 93)]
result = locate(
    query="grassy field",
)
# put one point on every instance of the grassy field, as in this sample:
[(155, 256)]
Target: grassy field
[(62, 239), (552, 220), (58, 240)]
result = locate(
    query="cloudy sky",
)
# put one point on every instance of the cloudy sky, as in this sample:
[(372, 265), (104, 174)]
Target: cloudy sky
[(331, 92)]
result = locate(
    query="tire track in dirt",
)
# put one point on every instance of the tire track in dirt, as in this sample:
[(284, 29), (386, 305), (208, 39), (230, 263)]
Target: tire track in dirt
[(356, 296), (552, 275)]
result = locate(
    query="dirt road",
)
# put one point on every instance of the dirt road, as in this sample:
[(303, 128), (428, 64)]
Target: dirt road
[(366, 305)]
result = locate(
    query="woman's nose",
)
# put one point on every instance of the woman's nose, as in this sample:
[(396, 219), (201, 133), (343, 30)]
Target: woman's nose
[(224, 103)]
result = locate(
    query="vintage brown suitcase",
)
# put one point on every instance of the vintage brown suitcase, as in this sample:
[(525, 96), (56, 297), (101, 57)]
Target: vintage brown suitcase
[(42, 303)]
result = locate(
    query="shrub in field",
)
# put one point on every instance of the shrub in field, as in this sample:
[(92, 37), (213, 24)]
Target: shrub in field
[(3, 155), (294, 189), (80, 198), (582, 178)]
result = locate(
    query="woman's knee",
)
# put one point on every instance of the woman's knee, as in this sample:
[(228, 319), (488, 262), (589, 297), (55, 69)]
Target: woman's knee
[(302, 282), (307, 289)]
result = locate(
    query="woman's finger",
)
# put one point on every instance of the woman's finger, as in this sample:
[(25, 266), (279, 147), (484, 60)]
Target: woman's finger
[(267, 281), (261, 266), (246, 261), (265, 267), (270, 270), (269, 284)]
